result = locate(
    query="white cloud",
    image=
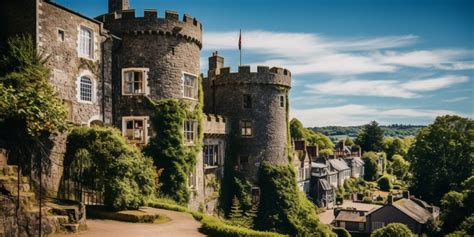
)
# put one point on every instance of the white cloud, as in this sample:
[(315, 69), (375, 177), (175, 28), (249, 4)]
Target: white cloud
[(306, 53), (384, 88), (456, 99), (353, 114)]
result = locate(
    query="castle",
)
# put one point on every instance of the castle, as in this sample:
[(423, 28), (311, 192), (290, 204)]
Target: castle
[(105, 68)]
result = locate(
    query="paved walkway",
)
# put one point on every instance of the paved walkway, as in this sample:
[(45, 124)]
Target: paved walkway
[(328, 216), (181, 225)]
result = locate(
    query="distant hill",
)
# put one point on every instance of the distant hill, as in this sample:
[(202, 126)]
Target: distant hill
[(395, 130)]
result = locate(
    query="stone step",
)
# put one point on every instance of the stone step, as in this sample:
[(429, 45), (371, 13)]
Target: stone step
[(9, 170), (73, 228), (60, 219)]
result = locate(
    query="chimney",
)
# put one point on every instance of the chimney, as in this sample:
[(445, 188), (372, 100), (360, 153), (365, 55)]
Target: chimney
[(406, 194), (390, 199), (118, 5), (215, 63)]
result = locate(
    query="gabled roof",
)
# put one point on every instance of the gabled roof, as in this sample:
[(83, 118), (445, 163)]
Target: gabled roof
[(318, 165), (350, 216), (413, 210), (338, 164), (325, 185)]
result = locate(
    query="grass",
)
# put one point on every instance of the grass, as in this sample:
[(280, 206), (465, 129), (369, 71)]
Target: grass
[(212, 226)]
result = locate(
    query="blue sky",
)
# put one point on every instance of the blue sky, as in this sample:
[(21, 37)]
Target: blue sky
[(394, 61)]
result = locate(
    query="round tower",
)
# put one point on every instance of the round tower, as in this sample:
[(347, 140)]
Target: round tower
[(154, 56), (256, 104)]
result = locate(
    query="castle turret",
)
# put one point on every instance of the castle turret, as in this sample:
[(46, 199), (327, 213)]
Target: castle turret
[(256, 104), (118, 5)]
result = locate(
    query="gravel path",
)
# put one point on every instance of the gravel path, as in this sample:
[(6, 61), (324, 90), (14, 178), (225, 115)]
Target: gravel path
[(181, 225), (328, 216)]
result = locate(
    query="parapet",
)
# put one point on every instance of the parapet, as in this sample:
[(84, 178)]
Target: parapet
[(125, 22), (244, 75), (215, 125)]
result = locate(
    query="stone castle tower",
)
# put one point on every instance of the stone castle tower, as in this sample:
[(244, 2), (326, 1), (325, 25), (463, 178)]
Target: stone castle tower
[(155, 54), (256, 104)]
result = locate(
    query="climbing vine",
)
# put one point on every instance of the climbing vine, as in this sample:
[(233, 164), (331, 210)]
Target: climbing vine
[(168, 147)]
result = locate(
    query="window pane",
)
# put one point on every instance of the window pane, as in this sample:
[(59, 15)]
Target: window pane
[(85, 89)]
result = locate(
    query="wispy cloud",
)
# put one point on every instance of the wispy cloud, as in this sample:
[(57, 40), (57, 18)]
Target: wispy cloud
[(384, 88), (354, 114), (306, 53), (456, 99)]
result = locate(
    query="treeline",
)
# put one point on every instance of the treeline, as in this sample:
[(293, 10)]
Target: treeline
[(394, 130)]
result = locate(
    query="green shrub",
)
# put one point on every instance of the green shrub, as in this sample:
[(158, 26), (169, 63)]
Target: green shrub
[(168, 149), (341, 232), (283, 208), (393, 230), (384, 183), (110, 164)]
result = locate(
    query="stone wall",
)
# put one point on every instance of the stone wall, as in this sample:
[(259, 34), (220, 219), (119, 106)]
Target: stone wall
[(269, 138)]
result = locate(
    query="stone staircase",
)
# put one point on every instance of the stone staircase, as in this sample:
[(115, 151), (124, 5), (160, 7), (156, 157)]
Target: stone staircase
[(57, 216)]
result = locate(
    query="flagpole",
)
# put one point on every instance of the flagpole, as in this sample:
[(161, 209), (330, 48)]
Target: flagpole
[(240, 46)]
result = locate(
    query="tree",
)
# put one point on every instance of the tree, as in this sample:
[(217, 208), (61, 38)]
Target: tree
[(442, 157), (371, 137), (341, 232), (393, 230), (394, 146), (236, 214), (317, 138), (297, 129), (400, 166), (370, 165), (349, 141), (452, 210), (384, 183)]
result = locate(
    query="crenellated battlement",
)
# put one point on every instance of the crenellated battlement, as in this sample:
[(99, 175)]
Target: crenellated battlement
[(126, 22), (215, 124), (244, 75)]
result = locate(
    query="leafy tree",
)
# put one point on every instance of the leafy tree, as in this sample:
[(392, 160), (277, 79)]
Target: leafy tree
[(370, 165), (400, 166), (393, 230), (371, 137), (297, 129), (452, 210), (326, 152), (349, 141), (126, 177), (384, 183), (442, 157), (341, 232), (394, 146)]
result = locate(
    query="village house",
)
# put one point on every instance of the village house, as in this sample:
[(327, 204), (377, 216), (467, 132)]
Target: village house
[(408, 210)]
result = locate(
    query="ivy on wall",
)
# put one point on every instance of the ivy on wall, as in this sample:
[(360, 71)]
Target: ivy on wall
[(168, 148)]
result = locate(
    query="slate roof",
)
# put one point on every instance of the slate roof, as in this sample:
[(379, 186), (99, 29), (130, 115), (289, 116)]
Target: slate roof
[(339, 164), (350, 216), (413, 210), (318, 165), (325, 185), (358, 161)]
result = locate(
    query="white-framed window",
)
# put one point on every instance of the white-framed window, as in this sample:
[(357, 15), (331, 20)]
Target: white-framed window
[(308, 172), (86, 43), (134, 129), (85, 89), (192, 179), (246, 128), (361, 226), (190, 86), (300, 173), (377, 225), (190, 131), (211, 155), (135, 81)]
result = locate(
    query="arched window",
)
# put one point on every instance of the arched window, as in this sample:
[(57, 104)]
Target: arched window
[(85, 89), (86, 42)]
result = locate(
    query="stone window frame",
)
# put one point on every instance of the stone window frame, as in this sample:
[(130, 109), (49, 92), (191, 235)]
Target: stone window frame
[(61, 34), (146, 87), (195, 89), (92, 43), (193, 179), (216, 155), (145, 125), (377, 225), (91, 77), (243, 125)]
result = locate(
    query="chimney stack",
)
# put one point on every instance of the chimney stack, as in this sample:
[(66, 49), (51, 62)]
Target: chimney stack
[(406, 194), (216, 62)]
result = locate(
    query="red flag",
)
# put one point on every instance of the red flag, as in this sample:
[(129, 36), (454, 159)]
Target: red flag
[(240, 40)]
